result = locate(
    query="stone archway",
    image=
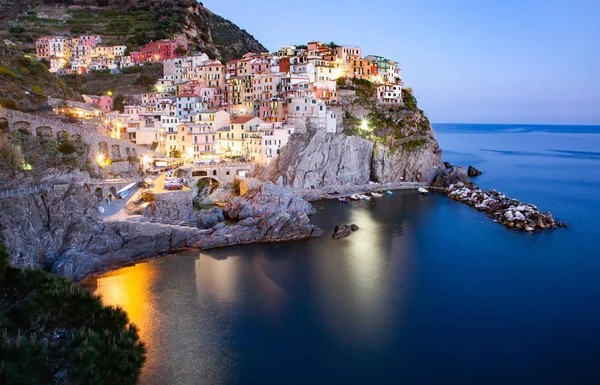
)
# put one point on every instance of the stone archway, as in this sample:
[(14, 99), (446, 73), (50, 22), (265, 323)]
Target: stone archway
[(4, 124), (203, 188), (127, 152), (62, 135), (98, 193), (113, 191), (115, 152), (44, 131), (103, 148), (133, 153), (22, 126)]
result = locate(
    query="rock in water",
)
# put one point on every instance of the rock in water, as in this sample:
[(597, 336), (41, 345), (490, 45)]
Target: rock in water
[(473, 171), (341, 231)]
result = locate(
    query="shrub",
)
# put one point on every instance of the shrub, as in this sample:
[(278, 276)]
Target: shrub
[(67, 148), (7, 73), (9, 103), (70, 336), (131, 70), (38, 90)]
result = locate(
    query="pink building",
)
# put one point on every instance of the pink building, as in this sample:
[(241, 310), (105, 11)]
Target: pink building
[(104, 103), (158, 51), (272, 111)]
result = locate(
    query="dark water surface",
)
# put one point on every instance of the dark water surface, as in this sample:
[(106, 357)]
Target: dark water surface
[(429, 291)]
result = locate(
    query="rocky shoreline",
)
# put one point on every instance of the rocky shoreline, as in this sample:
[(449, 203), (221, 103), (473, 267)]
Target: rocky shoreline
[(508, 211)]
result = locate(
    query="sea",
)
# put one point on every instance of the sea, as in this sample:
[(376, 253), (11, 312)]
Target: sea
[(428, 291)]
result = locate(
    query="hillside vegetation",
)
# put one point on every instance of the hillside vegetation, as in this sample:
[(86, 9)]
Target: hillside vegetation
[(55, 332), (130, 22)]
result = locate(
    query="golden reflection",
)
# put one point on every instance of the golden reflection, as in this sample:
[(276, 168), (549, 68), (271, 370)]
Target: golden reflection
[(371, 270), (227, 280), (130, 288)]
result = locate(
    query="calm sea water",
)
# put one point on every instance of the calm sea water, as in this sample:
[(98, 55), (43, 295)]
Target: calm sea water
[(429, 291)]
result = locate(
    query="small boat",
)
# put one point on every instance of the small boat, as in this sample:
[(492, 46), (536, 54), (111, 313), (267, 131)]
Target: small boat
[(343, 200), (364, 197), (389, 192), (376, 194), (355, 197), (423, 191)]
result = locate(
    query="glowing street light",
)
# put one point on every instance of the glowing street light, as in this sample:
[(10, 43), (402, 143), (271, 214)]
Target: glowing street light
[(365, 125)]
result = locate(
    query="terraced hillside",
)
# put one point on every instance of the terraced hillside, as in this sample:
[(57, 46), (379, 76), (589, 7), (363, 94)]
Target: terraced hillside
[(129, 22)]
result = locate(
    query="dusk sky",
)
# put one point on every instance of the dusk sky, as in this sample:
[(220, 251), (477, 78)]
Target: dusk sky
[(468, 61)]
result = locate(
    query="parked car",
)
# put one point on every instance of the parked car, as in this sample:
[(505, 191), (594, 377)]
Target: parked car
[(173, 187), (152, 171)]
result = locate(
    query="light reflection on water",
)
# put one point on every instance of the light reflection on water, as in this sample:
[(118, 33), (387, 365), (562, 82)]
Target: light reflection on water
[(425, 283)]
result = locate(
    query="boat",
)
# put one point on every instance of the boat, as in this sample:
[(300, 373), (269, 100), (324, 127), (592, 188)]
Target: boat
[(343, 200), (423, 191), (364, 197), (376, 194), (389, 192), (355, 197)]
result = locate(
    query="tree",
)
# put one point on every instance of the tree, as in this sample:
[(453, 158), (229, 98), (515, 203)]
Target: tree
[(180, 51), (54, 329), (118, 103)]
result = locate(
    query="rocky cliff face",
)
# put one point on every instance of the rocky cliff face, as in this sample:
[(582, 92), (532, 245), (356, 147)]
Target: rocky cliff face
[(321, 159), (59, 230), (399, 145)]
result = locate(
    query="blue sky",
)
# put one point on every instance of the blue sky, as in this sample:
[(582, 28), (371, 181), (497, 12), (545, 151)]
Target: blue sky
[(484, 61)]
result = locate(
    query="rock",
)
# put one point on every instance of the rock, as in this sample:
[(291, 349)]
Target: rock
[(219, 225), (219, 213), (341, 231), (249, 222), (447, 165), (247, 185), (61, 230), (207, 219), (472, 171), (454, 175), (354, 227)]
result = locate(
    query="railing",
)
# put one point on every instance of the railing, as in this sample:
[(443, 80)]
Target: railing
[(24, 191)]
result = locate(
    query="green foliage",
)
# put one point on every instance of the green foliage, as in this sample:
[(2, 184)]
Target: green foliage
[(54, 331), (119, 103), (67, 148), (364, 88), (38, 90), (8, 73), (341, 81), (414, 144), (8, 103), (3, 259), (409, 99), (131, 70)]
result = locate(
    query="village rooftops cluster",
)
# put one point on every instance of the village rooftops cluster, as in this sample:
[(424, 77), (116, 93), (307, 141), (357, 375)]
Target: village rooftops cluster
[(247, 108), (85, 53)]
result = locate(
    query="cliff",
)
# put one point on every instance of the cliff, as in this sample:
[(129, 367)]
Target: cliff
[(374, 142), (60, 229), (130, 22)]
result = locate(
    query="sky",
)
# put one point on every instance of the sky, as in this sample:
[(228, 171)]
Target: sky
[(468, 61)]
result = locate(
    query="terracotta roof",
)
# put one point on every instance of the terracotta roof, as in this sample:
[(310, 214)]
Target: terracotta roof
[(243, 119)]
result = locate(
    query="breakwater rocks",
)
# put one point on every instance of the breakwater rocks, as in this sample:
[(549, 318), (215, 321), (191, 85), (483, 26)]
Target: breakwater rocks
[(505, 210)]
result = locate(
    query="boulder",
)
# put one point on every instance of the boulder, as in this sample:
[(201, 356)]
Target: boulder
[(354, 227), (247, 185), (341, 231), (472, 171)]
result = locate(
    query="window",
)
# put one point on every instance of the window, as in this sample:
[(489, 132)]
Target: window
[(297, 108)]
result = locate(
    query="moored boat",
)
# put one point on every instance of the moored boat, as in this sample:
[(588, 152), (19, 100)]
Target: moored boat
[(423, 191), (343, 200), (389, 192), (355, 197), (376, 194)]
